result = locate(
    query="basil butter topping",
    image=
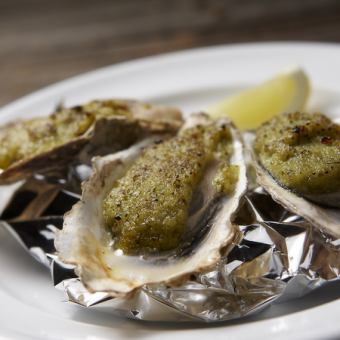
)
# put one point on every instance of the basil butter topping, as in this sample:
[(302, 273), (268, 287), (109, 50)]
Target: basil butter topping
[(147, 209), (25, 139), (301, 151)]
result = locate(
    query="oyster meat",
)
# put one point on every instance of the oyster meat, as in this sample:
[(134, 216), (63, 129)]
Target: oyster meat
[(98, 127), (158, 211), (297, 160)]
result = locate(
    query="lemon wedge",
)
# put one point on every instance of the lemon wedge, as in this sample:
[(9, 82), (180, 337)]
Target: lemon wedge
[(286, 92)]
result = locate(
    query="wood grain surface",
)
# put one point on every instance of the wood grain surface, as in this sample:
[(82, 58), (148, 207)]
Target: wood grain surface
[(44, 41)]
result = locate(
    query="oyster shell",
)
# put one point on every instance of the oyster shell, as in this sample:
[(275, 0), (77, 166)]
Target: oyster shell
[(108, 126), (86, 243), (320, 209), (326, 219)]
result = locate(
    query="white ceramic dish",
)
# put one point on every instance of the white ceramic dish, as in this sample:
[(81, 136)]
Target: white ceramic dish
[(32, 308)]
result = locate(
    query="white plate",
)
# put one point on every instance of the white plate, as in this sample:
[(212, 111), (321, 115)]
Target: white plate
[(31, 308)]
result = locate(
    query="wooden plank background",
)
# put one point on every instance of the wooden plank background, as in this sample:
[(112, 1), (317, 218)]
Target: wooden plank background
[(44, 41)]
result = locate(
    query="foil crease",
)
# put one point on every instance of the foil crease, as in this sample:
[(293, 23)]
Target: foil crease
[(277, 256)]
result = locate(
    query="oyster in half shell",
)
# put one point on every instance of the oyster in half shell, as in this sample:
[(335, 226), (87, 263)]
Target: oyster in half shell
[(297, 160), (101, 127), (158, 211)]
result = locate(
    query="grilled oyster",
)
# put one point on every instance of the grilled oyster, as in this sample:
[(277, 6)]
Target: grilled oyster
[(298, 163), (41, 144), (157, 212)]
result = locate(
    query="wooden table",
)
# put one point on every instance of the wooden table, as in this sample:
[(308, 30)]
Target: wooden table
[(42, 41)]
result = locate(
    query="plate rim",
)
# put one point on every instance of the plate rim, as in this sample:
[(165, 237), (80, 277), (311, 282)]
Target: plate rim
[(158, 58)]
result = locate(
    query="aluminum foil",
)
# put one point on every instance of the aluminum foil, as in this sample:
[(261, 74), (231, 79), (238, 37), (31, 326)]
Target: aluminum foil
[(276, 256)]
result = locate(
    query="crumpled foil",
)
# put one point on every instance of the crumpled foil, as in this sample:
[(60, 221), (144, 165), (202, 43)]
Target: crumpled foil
[(276, 256)]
